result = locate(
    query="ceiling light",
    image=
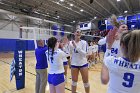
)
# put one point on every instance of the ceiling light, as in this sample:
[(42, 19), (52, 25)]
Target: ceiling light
[(57, 2), (95, 17), (120, 16), (62, 0), (81, 10), (55, 17), (73, 21), (36, 12), (118, 0), (58, 16), (125, 11), (71, 4)]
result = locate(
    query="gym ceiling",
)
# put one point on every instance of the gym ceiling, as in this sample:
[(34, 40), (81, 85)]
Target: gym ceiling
[(71, 11)]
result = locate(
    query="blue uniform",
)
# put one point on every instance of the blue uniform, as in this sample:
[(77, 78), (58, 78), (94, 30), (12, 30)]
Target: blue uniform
[(41, 58)]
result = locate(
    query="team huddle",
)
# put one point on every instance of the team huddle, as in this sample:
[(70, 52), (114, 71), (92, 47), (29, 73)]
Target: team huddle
[(121, 64)]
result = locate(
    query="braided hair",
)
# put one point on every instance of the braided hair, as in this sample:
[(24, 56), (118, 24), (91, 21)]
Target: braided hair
[(51, 45)]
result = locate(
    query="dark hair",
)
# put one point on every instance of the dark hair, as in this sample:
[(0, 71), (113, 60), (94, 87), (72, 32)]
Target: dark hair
[(131, 41), (51, 45)]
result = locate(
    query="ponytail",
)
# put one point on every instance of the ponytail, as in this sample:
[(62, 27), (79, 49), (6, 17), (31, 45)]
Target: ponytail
[(51, 45), (131, 41)]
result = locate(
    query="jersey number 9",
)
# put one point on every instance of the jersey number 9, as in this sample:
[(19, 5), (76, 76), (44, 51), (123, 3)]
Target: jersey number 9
[(129, 78)]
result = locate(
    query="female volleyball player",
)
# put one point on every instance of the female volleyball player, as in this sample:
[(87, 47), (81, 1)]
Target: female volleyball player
[(56, 72), (115, 50), (124, 72), (78, 50), (64, 47), (91, 56), (96, 52)]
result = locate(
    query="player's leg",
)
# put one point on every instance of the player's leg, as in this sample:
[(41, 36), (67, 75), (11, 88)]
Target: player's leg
[(65, 73), (60, 88), (52, 88), (84, 74), (74, 74)]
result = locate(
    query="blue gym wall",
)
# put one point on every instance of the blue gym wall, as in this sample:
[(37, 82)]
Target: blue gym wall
[(7, 45), (131, 20)]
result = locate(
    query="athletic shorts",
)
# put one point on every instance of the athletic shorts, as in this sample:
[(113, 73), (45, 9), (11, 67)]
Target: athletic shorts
[(65, 63), (85, 65), (56, 79)]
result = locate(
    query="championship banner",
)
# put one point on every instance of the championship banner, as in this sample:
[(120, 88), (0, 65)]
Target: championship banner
[(19, 57)]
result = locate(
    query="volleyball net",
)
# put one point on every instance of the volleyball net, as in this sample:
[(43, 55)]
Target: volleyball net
[(35, 33)]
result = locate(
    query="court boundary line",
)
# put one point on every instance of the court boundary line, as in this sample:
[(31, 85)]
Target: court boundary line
[(34, 75)]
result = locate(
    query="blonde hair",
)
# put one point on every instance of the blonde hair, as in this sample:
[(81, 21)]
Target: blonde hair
[(131, 41)]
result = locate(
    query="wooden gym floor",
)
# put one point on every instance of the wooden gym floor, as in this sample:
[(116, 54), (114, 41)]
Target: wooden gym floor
[(9, 87)]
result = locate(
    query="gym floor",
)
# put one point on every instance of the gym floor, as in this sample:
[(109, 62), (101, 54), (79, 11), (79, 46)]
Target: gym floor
[(30, 76)]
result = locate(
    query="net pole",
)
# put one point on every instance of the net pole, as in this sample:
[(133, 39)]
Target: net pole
[(35, 38)]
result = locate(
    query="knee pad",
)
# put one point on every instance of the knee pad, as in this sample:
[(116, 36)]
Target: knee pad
[(86, 85), (74, 83)]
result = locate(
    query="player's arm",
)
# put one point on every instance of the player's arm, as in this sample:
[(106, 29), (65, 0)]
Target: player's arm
[(47, 56), (64, 54), (104, 75), (102, 41), (83, 51), (105, 66), (70, 48)]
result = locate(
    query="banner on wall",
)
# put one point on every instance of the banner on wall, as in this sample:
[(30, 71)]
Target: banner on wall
[(85, 26), (19, 56)]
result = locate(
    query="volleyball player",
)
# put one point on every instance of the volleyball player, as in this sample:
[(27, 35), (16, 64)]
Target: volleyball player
[(55, 57), (78, 50), (91, 55), (115, 50), (64, 47), (117, 33), (96, 52), (67, 49), (124, 72)]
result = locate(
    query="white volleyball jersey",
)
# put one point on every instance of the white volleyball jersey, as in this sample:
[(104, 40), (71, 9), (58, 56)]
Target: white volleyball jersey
[(96, 48), (56, 62), (102, 41), (115, 50), (91, 50), (65, 58), (124, 77), (66, 48), (79, 53)]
